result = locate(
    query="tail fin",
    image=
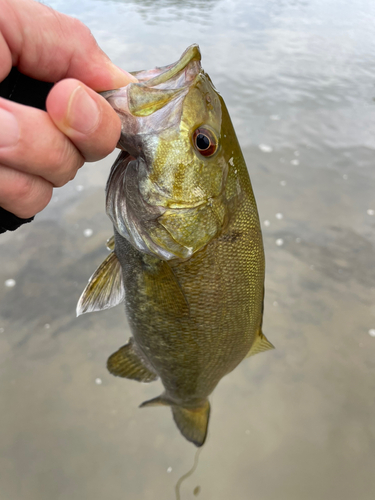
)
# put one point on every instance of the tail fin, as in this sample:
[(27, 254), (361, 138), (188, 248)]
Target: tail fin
[(192, 422)]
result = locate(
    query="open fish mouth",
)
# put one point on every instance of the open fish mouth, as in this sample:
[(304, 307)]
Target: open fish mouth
[(176, 75), (171, 77), (154, 103)]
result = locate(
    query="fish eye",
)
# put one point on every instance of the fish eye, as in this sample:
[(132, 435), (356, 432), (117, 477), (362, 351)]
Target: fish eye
[(205, 142)]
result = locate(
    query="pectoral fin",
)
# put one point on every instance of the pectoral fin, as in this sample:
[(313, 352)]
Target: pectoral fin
[(126, 363), (165, 287), (105, 288), (111, 243), (261, 344)]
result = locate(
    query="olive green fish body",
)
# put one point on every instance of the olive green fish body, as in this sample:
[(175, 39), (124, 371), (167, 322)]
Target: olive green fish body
[(187, 256)]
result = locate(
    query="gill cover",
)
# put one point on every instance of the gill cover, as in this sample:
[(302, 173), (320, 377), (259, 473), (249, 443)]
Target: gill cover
[(163, 196)]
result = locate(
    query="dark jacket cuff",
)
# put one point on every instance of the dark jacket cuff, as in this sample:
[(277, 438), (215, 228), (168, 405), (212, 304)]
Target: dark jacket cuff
[(10, 222), (24, 90)]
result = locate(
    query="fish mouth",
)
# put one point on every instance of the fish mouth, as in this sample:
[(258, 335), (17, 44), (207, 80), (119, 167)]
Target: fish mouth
[(154, 103), (173, 76), (180, 73)]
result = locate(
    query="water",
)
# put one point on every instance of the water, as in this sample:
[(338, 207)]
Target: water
[(296, 423)]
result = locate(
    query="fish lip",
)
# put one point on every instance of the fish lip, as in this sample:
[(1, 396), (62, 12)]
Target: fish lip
[(169, 73), (177, 77)]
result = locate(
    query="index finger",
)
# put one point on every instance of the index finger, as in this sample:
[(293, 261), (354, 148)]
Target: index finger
[(49, 46)]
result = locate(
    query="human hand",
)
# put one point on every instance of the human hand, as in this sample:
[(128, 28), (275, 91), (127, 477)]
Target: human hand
[(40, 150)]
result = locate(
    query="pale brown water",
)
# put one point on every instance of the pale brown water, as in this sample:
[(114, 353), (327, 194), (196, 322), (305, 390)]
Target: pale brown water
[(297, 423)]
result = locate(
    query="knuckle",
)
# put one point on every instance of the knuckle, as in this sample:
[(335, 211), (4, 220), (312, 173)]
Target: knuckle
[(79, 26), (63, 163), (31, 194), (24, 188), (43, 198), (84, 31)]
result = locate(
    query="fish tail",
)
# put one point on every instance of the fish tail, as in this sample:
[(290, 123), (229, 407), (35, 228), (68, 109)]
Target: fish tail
[(191, 422)]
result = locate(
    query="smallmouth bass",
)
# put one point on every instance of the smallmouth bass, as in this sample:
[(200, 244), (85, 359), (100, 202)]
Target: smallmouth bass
[(187, 253)]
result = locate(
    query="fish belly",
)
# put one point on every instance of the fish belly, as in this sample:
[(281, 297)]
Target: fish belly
[(196, 320)]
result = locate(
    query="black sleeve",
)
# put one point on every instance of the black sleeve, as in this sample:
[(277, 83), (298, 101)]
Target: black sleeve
[(10, 222), (24, 90)]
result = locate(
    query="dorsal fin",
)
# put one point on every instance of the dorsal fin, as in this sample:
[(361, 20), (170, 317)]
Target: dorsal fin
[(261, 344), (105, 288)]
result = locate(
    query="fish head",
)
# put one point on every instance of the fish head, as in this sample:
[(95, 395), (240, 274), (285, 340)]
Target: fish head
[(166, 191)]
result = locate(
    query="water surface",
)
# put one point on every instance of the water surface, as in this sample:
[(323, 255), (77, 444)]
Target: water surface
[(296, 423)]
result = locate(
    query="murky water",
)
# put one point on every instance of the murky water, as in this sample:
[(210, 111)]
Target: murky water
[(296, 423)]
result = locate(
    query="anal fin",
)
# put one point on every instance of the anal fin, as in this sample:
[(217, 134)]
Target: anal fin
[(261, 344), (158, 401), (126, 363)]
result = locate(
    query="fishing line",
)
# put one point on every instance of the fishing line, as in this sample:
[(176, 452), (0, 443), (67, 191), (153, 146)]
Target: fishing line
[(188, 474), (192, 470)]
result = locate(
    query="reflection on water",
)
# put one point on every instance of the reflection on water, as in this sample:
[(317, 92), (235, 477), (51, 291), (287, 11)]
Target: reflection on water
[(298, 79), (163, 12), (184, 6)]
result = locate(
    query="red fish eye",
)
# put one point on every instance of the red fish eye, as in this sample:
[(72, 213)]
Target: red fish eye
[(205, 142)]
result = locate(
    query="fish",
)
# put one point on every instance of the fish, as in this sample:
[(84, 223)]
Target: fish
[(187, 255)]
